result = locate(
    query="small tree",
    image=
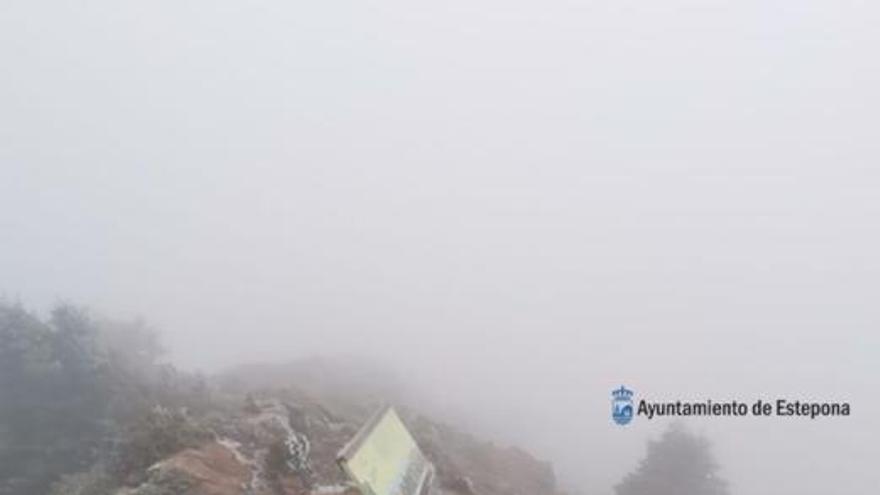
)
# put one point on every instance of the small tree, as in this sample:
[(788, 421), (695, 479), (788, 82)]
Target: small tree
[(680, 463)]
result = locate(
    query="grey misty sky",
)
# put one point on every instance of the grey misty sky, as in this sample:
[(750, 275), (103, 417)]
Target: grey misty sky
[(547, 198)]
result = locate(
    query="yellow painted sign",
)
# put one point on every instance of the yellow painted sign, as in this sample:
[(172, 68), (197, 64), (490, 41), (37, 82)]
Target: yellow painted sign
[(383, 458)]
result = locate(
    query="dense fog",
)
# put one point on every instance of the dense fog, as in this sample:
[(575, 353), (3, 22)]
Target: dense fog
[(516, 206)]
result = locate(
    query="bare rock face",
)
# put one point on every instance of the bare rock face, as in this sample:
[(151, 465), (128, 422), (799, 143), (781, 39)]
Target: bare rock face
[(271, 447), (212, 469)]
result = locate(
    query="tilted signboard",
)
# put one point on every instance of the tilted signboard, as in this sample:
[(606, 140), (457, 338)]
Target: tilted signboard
[(383, 458)]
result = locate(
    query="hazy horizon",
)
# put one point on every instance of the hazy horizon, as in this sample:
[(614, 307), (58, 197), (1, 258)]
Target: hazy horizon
[(518, 207)]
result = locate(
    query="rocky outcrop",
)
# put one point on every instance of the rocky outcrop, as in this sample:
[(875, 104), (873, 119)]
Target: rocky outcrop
[(213, 469), (282, 441), (258, 452)]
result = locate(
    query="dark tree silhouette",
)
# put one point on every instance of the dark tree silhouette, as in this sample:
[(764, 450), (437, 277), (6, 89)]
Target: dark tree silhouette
[(76, 390), (679, 463)]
